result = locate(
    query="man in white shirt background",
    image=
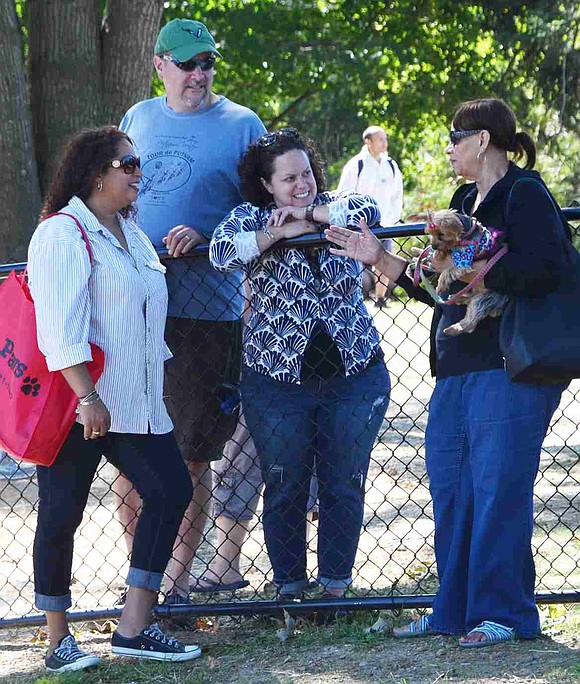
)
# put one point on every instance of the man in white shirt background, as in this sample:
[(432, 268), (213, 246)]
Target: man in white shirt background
[(372, 172)]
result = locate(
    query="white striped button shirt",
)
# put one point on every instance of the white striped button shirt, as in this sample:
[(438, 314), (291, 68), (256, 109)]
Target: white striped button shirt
[(119, 304)]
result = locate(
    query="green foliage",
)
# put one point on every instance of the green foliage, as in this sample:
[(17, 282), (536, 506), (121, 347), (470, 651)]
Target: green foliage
[(332, 67)]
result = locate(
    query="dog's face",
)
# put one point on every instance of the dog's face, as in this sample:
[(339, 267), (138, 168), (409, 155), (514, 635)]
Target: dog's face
[(445, 230)]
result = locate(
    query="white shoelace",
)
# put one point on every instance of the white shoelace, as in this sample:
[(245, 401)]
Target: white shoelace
[(159, 635), (68, 649)]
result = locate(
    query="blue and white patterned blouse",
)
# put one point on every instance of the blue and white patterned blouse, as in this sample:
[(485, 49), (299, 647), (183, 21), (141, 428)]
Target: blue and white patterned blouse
[(289, 297)]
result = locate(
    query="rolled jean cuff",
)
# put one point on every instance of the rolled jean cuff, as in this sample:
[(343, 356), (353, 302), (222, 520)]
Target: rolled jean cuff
[(293, 588), (327, 583), (52, 603), (144, 579)]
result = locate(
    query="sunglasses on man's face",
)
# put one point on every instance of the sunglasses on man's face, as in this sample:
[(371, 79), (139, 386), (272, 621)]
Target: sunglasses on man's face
[(205, 64), (270, 138), (128, 163), (456, 136)]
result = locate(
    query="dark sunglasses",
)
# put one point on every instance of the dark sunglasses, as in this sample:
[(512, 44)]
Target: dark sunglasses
[(204, 64), (270, 138), (128, 163), (456, 136)]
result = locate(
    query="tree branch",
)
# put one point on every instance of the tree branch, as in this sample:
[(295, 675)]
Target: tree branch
[(291, 107)]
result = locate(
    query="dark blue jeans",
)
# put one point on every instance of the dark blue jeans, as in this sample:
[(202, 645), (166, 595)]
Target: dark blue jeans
[(154, 466), (335, 421), (483, 442)]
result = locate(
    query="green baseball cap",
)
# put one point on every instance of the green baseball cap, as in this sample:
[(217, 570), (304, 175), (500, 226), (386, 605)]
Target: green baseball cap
[(184, 38)]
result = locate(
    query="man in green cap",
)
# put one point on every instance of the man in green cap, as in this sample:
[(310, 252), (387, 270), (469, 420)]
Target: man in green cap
[(190, 141)]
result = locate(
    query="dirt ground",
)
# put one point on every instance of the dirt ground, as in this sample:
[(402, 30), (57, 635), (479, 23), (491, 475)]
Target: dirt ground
[(248, 652)]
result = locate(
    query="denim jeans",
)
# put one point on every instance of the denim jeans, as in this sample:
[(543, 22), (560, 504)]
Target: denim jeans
[(335, 422), (154, 466), (483, 442)]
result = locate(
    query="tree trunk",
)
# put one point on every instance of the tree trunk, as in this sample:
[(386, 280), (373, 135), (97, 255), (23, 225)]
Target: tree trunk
[(65, 74), (128, 37), (19, 191)]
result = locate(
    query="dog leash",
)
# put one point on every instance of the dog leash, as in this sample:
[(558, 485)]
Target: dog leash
[(478, 278), (419, 266)]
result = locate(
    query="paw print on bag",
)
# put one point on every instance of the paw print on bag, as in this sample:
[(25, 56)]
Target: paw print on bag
[(30, 386)]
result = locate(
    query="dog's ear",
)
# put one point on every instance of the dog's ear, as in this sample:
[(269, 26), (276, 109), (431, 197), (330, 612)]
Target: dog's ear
[(430, 226)]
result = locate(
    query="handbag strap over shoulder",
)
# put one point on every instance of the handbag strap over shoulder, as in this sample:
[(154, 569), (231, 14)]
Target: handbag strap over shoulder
[(550, 197), (80, 227), (23, 277)]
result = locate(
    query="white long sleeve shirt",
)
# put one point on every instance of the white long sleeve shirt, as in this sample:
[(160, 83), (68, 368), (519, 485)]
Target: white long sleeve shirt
[(119, 303), (380, 178)]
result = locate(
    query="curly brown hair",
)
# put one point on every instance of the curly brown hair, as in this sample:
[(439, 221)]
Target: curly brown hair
[(494, 115), (259, 159), (85, 157)]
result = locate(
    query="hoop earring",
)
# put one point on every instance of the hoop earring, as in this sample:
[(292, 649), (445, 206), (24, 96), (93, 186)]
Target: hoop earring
[(100, 185)]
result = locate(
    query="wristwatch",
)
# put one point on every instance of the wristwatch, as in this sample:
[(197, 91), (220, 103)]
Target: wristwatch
[(309, 214)]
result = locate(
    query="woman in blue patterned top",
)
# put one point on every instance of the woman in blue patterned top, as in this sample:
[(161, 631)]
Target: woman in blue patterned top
[(315, 388)]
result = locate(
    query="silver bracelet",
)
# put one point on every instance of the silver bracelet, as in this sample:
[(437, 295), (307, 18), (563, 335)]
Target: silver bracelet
[(268, 233), (88, 400)]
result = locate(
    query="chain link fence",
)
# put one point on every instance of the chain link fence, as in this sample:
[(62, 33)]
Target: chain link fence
[(395, 561)]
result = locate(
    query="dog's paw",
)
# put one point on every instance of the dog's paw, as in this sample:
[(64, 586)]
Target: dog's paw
[(453, 330), (459, 328)]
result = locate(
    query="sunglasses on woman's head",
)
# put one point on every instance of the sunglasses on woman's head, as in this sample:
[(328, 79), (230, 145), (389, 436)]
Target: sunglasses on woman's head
[(205, 64), (270, 138), (128, 163), (456, 136)]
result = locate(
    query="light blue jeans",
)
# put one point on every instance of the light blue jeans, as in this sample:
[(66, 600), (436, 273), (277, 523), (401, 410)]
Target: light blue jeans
[(483, 442)]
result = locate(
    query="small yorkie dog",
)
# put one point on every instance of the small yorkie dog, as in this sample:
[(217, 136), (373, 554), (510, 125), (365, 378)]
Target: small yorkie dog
[(466, 240)]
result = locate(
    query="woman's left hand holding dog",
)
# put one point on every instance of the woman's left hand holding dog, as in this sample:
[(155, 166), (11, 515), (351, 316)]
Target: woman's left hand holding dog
[(438, 262), (441, 262)]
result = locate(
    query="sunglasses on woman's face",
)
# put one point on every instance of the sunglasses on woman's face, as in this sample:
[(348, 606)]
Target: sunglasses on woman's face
[(128, 163), (456, 136), (270, 138), (205, 64)]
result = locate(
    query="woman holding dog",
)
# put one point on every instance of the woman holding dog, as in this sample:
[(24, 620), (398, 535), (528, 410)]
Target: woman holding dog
[(485, 432)]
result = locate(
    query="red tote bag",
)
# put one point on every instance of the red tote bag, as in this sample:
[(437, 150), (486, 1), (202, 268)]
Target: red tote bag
[(37, 406)]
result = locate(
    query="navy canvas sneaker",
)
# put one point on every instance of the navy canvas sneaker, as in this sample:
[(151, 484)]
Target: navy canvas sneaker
[(68, 657), (154, 644)]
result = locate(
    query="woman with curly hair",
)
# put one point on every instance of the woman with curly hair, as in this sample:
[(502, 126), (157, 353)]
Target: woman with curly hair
[(314, 385), (95, 278)]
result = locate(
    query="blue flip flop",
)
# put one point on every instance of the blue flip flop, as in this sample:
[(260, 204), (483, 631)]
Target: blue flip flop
[(494, 634), (417, 628)]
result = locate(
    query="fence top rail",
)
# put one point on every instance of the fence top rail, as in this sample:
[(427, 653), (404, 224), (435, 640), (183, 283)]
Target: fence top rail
[(382, 232)]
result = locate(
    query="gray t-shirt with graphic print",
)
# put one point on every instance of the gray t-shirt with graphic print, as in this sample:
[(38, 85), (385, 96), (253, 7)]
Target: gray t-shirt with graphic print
[(189, 164)]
